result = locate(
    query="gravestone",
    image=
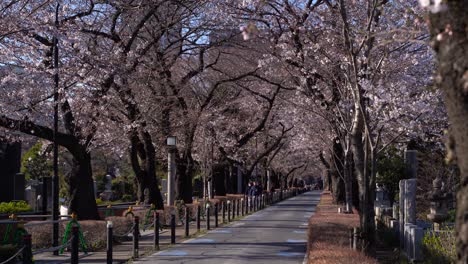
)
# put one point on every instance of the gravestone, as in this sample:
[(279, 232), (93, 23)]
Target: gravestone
[(10, 163), (402, 212), (19, 185), (410, 201), (411, 162)]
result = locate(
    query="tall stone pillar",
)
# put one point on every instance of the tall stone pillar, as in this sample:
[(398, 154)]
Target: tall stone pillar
[(410, 201), (411, 163), (410, 214), (401, 217)]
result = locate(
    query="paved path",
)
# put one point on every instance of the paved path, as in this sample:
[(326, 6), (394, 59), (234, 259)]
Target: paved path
[(275, 235)]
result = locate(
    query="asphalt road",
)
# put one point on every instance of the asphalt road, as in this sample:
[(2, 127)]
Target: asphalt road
[(276, 234)]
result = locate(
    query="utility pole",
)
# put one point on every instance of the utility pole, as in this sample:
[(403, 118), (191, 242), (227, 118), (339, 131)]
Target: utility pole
[(55, 179)]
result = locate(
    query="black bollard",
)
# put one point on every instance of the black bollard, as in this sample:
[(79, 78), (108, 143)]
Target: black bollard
[(224, 212), (187, 221), (156, 231), (198, 218), (233, 209), (255, 203), (242, 207), (109, 242), (208, 217), (27, 252), (229, 210), (216, 215), (74, 245), (237, 207), (136, 236), (173, 229)]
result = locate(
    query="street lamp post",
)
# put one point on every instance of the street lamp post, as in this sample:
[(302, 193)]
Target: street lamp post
[(171, 169)]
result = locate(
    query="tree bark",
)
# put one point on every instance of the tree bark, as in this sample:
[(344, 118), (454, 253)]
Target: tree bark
[(366, 211), (449, 33), (184, 188), (143, 160), (81, 186)]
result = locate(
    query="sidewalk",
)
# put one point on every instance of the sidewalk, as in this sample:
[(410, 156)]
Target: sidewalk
[(328, 236)]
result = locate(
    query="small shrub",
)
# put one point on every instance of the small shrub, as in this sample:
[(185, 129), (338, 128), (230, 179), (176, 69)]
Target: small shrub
[(440, 247), (127, 198), (121, 186), (14, 207), (99, 201), (451, 215)]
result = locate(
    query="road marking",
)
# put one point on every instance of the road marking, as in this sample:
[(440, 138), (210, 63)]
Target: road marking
[(296, 241), (238, 224), (200, 241), (290, 254), (221, 231), (299, 231), (172, 253)]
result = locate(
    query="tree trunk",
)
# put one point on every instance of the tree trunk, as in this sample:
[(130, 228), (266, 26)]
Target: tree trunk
[(366, 211), (150, 180), (336, 172), (184, 188), (143, 160), (449, 33), (348, 182), (81, 186)]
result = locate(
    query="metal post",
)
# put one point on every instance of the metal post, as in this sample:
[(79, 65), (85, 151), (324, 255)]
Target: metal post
[(224, 212), (171, 172), (187, 220), (237, 207), (156, 231), (136, 234), (216, 215), (55, 179), (208, 217), (74, 245), (229, 210), (198, 218), (109, 242), (242, 206), (173, 229), (27, 253)]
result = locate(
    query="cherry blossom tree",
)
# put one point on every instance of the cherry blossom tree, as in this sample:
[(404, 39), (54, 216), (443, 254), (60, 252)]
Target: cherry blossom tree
[(448, 22)]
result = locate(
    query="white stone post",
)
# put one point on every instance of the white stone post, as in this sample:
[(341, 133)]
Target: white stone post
[(268, 180)]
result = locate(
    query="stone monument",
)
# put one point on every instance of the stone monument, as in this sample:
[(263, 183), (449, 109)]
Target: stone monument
[(439, 199)]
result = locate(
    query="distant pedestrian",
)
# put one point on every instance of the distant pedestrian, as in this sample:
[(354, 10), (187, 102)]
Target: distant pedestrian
[(259, 189)]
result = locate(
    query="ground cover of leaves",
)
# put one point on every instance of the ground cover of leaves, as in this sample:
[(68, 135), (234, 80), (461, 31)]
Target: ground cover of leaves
[(328, 235)]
